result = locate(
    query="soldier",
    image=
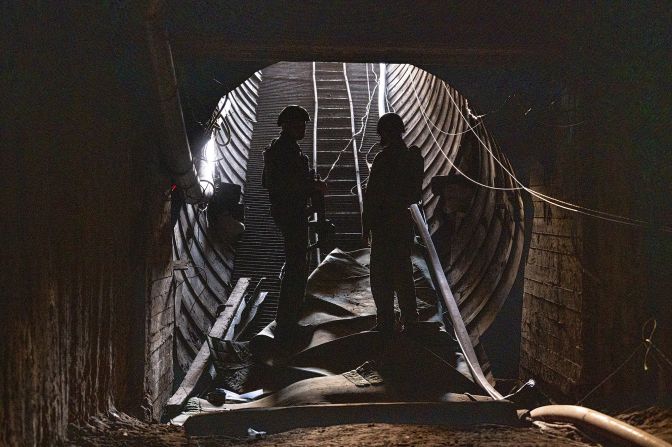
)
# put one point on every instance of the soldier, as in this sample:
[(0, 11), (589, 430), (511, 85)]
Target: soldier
[(395, 183), (290, 182)]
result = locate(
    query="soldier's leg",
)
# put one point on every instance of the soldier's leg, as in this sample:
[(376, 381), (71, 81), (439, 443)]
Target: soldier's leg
[(403, 281), (293, 283), (382, 283)]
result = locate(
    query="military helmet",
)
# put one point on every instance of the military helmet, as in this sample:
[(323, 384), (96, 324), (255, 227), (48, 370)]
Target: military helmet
[(391, 122), (293, 113)]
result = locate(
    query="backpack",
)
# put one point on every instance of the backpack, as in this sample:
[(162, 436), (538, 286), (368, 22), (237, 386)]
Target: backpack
[(410, 174)]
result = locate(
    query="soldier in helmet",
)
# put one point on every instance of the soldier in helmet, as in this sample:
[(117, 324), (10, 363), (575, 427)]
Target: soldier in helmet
[(290, 182), (395, 183)]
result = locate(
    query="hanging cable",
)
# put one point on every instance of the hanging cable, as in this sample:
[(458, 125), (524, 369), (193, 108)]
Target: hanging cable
[(217, 128), (452, 134), (552, 200), (350, 141), (548, 199), (354, 141), (366, 180), (364, 123), (224, 127), (452, 164)]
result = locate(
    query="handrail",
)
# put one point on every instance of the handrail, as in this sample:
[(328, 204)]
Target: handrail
[(354, 142), (316, 104), (382, 89), (316, 107), (443, 289)]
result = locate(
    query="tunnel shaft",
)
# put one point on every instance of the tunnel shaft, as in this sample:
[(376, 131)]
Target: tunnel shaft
[(480, 241)]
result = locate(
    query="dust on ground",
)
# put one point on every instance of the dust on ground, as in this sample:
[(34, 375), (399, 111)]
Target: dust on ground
[(123, 430)]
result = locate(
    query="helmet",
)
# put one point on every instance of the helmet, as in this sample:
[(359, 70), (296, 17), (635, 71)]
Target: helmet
[(293, 113), (391, 122)]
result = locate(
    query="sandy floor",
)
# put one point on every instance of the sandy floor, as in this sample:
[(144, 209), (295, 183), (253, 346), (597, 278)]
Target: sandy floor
[(126, 431)]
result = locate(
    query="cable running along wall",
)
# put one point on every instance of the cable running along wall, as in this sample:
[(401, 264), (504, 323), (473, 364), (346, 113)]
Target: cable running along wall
[(206, 255)]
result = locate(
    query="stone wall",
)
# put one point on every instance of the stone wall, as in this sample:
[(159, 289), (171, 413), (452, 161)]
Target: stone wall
[(85, 227), (591, 285), (551, 345)]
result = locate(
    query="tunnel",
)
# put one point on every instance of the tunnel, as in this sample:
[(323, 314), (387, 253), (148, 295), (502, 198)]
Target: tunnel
[(556, 247), (493, 229)]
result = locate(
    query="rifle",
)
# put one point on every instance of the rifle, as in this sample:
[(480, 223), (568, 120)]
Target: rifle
[(320, 225)]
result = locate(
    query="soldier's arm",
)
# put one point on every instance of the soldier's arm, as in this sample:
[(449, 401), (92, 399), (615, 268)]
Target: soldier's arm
[(418, 173)]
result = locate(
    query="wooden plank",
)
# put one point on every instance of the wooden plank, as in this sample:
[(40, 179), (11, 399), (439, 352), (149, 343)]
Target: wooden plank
[(236, 321), (202, 361)]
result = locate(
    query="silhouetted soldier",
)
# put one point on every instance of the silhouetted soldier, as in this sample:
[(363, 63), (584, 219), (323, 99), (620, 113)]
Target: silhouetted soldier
[(395, 182), (290, 182)]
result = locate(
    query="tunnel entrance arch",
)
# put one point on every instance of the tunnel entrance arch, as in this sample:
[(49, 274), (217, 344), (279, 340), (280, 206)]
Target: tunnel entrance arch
[(479, 230)]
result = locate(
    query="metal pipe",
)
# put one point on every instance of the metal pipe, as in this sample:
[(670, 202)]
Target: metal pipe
[(177, 153), (617, 431), (450, 304)]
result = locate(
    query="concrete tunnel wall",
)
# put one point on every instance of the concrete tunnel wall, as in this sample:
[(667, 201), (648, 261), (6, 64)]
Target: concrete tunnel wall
[(86, 224)]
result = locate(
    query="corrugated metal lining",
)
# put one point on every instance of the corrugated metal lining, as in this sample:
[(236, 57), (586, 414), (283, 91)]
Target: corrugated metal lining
[(206, 282), (260, 253), (480, 254)]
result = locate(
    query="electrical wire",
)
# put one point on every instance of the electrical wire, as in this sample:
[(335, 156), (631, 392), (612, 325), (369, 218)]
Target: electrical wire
[(368, 110), (453, 165), (350, 141), (368, 91), (364, 124), (212, 122), (552, 200), (452, 134), (366, 180), (226, 128), (549, 199), (354, 140), (216, 130)]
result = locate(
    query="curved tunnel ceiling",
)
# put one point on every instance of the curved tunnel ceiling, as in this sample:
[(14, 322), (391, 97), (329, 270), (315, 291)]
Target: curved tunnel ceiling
[(478, 230)]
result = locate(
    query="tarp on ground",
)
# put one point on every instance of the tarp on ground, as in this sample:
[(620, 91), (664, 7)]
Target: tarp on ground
[(336, 358)]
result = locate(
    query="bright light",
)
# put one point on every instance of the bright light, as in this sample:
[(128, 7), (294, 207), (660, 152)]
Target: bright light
[(206, 172)]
